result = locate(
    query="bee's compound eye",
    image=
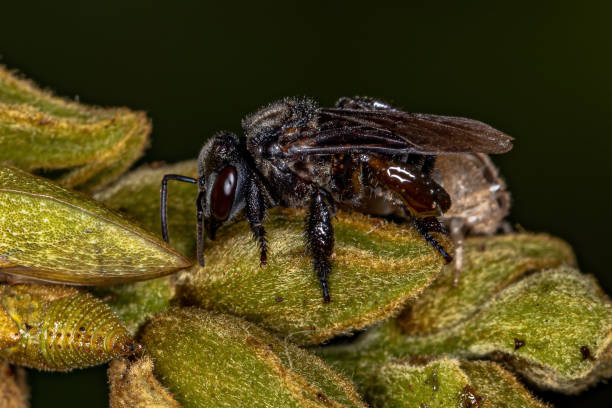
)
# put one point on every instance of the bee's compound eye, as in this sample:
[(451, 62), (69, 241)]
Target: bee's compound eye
[(222, 195)]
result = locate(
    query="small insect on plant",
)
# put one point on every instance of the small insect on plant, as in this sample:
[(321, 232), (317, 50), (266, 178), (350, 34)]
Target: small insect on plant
[(364, 155)]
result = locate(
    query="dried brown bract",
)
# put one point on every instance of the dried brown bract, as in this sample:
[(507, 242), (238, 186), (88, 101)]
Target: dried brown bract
[(133, 385)]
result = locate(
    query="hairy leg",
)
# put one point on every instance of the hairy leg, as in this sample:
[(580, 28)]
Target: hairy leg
[(320, 238), (255, 214), (424, 226)]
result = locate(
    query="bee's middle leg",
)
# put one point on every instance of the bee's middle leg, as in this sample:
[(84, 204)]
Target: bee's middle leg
[(320, 238)]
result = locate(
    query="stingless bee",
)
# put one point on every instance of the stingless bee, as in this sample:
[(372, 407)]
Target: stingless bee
[(364, 155)]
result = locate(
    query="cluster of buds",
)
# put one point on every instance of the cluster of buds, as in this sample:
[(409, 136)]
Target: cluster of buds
[(233, 333)]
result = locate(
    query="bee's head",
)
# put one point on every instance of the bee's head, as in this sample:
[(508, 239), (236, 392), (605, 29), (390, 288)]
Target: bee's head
[(222, 175)]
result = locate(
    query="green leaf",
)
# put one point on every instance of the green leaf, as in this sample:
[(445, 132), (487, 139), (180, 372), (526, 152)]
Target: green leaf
[(90, 145), (208, 359), (378, 266), (490, 264), (57, 235), (60, 328), (447, 383)]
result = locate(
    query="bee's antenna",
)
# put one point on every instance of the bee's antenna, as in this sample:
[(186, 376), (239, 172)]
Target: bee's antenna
[(164, 199), (200, 237)]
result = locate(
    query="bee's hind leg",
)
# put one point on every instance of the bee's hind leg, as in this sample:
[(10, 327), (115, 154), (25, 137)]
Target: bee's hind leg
[(457, 233), (320, 238), (424, 226)]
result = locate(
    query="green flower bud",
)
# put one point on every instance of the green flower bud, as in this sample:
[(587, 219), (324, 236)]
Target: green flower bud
[(92, 146), (447, 383), (554, 327), (490, 264), (208, 360), (377, 268)]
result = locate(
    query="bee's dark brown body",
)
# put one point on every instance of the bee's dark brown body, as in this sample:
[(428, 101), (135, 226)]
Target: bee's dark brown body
[(364, 155), (368, 182)]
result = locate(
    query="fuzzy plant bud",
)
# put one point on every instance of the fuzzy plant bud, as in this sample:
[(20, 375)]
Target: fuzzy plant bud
[(553, 327), (377, 267), (207, 359), (447, 383), (87, 147), (133, 385)]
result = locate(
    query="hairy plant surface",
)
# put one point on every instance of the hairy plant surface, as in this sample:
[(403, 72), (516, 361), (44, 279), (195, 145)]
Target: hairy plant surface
[(553, 327), (53, 234), (133, 385), (91, 146), (491, 264), (371, 256), (209, 359), (448, 383)]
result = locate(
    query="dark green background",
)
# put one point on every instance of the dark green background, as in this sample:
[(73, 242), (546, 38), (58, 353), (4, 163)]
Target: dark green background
[(540, 71)]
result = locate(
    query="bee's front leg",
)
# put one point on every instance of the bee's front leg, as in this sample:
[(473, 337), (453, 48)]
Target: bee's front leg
[(320, 238), (256, 213)]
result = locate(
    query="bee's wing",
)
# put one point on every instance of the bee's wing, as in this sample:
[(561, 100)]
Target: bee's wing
[(392, 131)]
